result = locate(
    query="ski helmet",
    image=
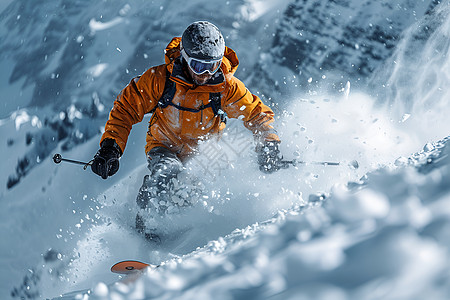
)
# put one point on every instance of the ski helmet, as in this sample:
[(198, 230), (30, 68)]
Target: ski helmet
[(202, 40)]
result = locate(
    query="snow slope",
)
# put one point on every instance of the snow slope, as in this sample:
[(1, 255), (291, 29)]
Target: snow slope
[(383, 235)]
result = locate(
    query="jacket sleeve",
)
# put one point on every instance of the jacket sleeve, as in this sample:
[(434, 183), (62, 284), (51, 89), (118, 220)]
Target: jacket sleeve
[(138, 98), (240, 103)]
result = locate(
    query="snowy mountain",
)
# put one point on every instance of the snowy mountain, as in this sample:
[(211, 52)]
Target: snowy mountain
[(379, 231), (323, 44)]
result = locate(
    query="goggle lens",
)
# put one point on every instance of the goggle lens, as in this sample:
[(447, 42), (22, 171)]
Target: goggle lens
[(200, 67)]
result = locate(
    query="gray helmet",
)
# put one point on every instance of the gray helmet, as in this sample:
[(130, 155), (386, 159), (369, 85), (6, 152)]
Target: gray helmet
[(203, 40)]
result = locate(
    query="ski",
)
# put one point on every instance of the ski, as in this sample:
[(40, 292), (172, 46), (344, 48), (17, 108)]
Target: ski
[(131, 266)]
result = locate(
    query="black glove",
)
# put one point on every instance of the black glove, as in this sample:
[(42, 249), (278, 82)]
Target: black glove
[(106, 161), (269, 157)]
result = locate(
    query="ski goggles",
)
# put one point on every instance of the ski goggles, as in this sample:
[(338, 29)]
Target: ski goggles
[(199, 66)]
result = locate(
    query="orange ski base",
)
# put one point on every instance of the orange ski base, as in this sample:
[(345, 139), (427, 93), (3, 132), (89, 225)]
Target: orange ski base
[(129, 267)]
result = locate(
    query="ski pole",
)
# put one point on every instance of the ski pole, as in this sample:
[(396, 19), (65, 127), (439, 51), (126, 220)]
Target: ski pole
[(57, 158), (285, 163), (323, 163)]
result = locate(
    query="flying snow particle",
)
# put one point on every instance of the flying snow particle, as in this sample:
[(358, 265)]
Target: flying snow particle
[(347, 89), (125, 10), (100, 290), (405, 117), (20, 118), (97, 70)]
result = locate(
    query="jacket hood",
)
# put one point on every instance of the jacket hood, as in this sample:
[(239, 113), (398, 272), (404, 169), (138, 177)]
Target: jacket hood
[(230, 61)]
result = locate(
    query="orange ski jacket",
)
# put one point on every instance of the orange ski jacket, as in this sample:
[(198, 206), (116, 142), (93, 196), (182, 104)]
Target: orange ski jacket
[(180, 130)]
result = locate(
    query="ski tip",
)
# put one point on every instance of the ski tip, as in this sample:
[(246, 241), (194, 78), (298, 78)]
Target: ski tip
[(129, 266)]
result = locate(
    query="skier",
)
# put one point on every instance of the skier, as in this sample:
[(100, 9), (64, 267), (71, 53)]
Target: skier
[(189, 97)]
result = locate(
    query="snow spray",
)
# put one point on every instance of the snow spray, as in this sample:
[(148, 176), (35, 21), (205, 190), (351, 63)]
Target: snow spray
[(414, 84)]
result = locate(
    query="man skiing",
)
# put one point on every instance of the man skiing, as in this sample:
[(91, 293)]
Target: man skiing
[(189, 97)]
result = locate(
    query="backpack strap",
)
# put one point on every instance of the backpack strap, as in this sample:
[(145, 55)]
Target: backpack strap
[(215, 100), (168, 93)]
